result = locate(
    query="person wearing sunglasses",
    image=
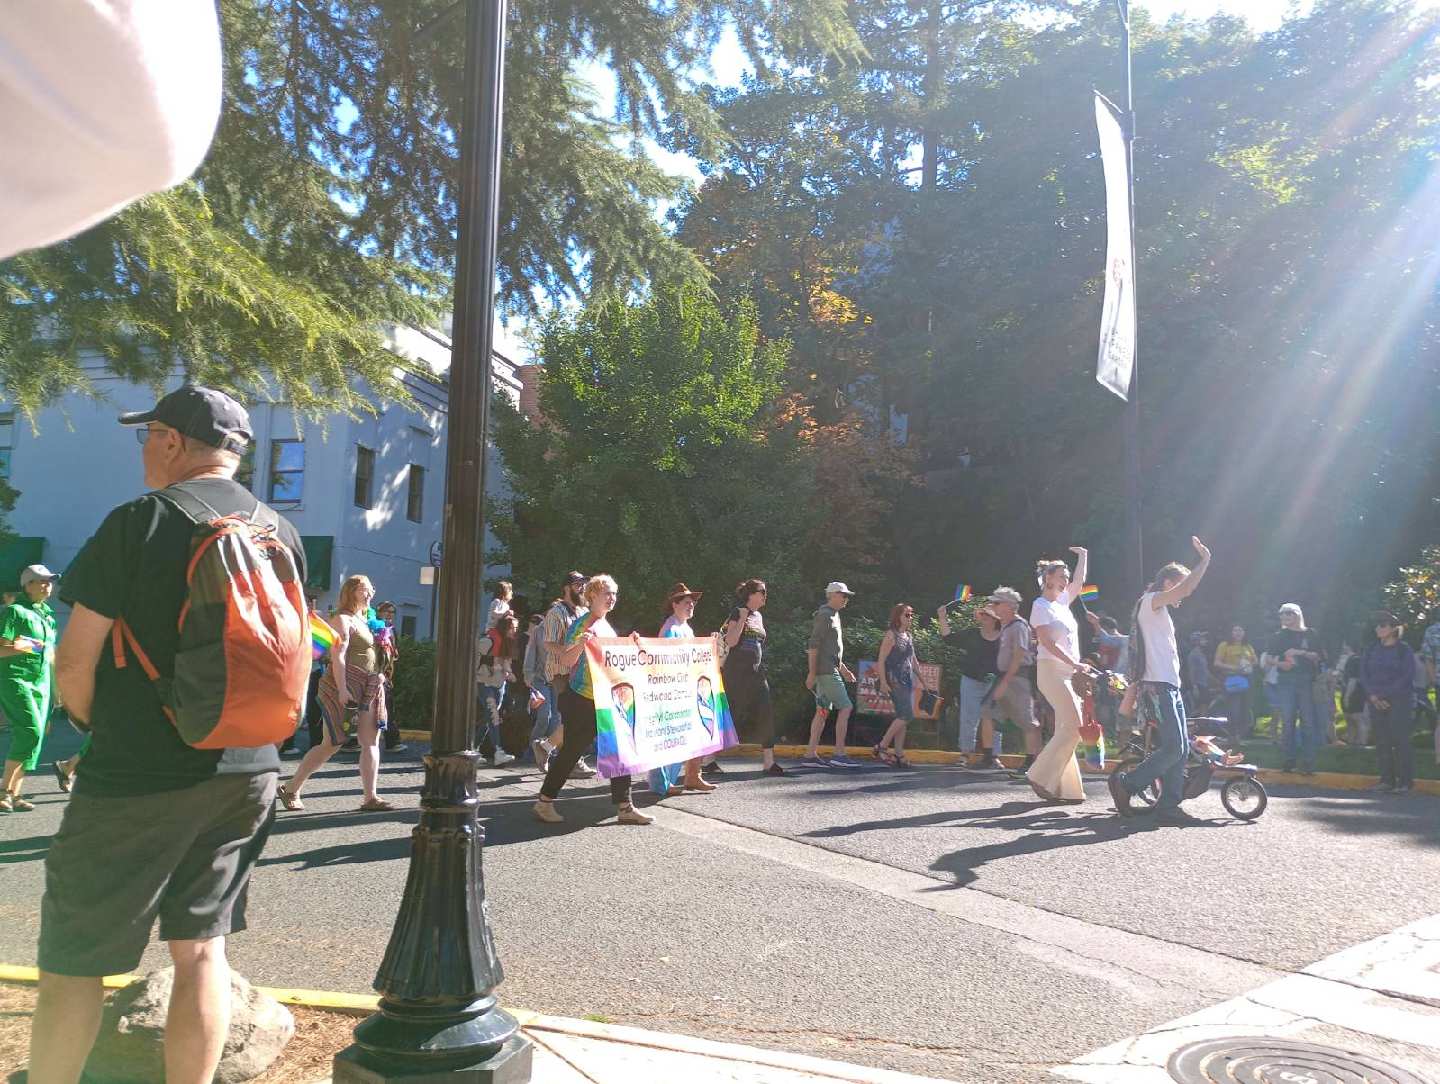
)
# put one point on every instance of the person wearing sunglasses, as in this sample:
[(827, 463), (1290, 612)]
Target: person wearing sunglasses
[(899, 674)]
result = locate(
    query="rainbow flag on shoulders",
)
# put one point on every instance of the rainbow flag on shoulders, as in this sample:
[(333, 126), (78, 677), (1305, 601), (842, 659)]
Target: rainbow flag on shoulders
[(322, 636)]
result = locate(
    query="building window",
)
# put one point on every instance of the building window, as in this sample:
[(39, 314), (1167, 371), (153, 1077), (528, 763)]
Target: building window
[(364, 476), (7, 442), (407, 626), (415, 506), (287, 471)]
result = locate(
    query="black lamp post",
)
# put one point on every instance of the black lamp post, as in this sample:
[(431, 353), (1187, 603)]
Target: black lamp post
[(1134, 531), (439, 1017)]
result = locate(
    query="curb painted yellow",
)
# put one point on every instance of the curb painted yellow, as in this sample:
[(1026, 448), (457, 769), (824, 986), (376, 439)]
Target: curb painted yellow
[(329, 1000)]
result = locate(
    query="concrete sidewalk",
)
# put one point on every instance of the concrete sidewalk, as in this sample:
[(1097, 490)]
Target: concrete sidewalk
[(570, 1051)]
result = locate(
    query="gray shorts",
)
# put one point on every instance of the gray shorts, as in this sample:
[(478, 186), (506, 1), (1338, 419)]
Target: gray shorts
[(117, 863), (830, 692), (1017, 705)]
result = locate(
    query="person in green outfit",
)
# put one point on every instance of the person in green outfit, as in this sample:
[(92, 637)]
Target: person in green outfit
[(27, 679)]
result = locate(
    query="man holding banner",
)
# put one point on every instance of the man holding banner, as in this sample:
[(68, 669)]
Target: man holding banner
[(645, 703)]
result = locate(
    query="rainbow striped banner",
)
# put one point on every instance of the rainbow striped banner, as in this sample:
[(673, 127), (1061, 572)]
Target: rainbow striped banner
[(963, 592), (1089, 593), (322, 636), (661, 702)]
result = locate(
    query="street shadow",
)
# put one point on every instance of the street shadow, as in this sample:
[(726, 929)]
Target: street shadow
[(29, 849), (1359, 814), (1001, 816), (1051, 829), (388, 849)]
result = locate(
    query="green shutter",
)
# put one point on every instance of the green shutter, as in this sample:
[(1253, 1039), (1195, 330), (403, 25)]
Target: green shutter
[(319, 549)]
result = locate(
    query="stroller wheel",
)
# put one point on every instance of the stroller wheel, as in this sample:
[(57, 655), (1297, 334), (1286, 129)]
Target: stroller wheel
[(1244, 797)]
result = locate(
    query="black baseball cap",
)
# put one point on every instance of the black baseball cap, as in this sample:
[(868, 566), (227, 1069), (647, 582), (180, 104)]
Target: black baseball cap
[(205, 414)]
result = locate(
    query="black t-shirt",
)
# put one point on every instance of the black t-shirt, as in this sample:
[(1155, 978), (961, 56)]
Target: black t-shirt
[(134, 567), (1303, 640), (981, 658)]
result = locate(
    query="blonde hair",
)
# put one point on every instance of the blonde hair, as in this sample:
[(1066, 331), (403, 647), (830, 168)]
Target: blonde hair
[(349, 589), (596, 582), (505, 590), (1047, 565)]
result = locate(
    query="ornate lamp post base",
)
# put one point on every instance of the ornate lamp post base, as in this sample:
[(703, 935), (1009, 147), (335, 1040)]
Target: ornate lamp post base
[(510, 1064)]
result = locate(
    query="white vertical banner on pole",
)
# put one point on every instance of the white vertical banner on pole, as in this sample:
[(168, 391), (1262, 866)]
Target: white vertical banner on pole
[(1117, 320)]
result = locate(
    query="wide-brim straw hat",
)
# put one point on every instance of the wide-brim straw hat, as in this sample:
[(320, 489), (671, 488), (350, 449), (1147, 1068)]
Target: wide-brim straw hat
[(680, 591)]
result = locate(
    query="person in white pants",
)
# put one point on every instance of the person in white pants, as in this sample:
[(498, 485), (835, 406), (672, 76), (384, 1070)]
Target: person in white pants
[(1055, 776)]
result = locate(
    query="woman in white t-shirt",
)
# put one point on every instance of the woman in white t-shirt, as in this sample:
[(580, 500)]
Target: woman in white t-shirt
[(1055, 776)]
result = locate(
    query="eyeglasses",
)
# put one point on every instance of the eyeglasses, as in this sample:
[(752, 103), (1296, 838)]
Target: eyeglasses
[(143, 433)]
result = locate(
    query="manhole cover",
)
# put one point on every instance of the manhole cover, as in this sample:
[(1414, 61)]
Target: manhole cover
[(1258, 1060)]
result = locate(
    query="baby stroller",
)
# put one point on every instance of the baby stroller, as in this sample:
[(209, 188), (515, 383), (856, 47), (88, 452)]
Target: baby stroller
[(1242, 794)]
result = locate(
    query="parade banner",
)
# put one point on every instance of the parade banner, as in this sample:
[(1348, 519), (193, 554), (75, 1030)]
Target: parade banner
[(869, 700), (661, 702), (1117, 318)]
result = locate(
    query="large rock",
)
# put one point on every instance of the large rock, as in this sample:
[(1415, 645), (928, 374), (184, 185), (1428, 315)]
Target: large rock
[(130, 1049)]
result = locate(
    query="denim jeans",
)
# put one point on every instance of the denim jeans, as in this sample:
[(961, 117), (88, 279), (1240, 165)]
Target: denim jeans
[(547, 715), (972, 692), (1295, 702), (1166, 761)]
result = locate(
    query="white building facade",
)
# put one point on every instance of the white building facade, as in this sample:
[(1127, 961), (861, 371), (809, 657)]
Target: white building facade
[(366, 494)]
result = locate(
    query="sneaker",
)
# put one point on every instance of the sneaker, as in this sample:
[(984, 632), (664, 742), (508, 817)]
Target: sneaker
[(990, 764), (398, 747), (501, 758), (546, 811), (1118, 794), (1404, 788), (582, 770), (630, 815), (774, 769), (712, 769), (1383, 787), (816, 761), (843, 761)]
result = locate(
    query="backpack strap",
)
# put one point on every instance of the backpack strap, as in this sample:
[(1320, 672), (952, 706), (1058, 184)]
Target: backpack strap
[(200, 511), (122, 637)]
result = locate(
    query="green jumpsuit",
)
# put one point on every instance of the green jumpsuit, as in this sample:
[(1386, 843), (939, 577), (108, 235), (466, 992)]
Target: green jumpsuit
[(26, 680)]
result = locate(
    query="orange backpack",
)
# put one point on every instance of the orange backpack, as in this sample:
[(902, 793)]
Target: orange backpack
[(242, 663)]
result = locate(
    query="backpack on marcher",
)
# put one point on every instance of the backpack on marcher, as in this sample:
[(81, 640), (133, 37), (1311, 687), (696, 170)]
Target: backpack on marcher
[(243, 658)]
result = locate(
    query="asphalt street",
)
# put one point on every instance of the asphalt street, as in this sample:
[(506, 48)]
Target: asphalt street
[(933, 921)]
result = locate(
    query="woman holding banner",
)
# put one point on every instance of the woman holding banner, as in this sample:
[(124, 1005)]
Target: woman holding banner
[(577, 707), (666, 781), (746, 684)]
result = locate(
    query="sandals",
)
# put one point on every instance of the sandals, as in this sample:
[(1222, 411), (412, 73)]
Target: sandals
[(699, 787), (289, 799), (882, 755), (901, 762), (375, 805), (61, 775), (13, 803), (6, 804)]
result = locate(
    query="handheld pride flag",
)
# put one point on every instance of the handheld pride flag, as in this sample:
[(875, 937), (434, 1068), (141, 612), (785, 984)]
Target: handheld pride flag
[(963, 592), (322, 636), (1089, 593)]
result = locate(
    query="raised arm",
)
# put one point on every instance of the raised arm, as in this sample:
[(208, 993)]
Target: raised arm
[(1186, 587), (1082, 571)]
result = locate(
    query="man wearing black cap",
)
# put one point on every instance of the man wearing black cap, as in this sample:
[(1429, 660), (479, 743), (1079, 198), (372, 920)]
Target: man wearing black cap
[(545, 737), (155, 826)]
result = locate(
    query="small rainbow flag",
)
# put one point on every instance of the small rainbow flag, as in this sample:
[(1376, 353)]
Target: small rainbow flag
[(322, 636), (1089, 593), (963, 592)]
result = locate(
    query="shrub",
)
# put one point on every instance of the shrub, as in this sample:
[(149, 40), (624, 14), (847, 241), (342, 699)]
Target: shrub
[(415, 683)]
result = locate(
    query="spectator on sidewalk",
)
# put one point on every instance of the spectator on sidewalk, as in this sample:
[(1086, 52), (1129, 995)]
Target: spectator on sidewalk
[(1235, 662), (155, 827), (979, 648), (1387, 673), (1295, 653), (549, 730), (532, 673), (500, 604), (352, 701), (578, 706), (1012, 697), (826, 676), (1197, 674), (27, 680), (1430, 655), (747, 682)]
